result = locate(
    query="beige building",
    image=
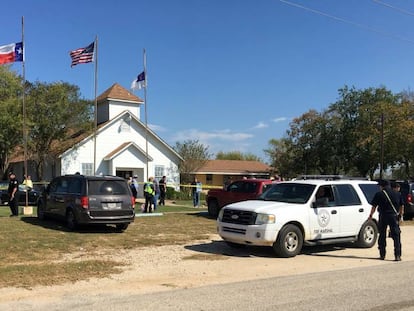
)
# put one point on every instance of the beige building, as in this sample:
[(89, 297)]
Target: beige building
[(217, 172)]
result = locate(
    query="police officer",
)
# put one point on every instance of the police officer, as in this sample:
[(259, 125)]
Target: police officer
[(12, 191), (149, 192), (389, 204)]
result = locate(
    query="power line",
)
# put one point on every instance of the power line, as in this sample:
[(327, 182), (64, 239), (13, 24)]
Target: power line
[(386, 34), (394, 7)]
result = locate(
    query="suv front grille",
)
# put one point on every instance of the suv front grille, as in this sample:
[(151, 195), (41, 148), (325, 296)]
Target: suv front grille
[(239, 217)]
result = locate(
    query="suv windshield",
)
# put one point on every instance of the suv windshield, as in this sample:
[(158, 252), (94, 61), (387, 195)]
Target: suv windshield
[(105, 187), (288, 192)]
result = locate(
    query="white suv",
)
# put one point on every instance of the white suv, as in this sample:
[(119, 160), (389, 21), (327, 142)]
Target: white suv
[(304, 212)]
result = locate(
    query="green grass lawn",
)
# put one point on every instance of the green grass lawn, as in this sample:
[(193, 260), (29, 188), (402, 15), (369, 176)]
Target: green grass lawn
[(32, 249)]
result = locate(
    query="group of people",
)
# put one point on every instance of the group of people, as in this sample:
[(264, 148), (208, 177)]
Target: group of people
[(13, 189), (154, 191)]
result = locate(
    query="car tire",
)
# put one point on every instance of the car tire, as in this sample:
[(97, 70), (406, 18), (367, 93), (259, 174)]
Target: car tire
[(71, 222), (367, 236), (41, 211), (289, 242), (408, 217), (121, 227), (213, 208)]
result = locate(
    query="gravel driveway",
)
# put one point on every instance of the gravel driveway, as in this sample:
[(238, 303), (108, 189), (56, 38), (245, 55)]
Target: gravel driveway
[(207, 262)]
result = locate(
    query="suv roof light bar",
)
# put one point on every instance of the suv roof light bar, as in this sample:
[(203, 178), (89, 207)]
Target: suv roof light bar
[(330, 177)]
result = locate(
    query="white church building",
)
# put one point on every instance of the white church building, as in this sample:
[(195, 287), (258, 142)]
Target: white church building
[(123, 145)]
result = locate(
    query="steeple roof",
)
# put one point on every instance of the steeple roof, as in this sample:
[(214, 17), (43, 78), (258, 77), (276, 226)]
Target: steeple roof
[(117, 92)]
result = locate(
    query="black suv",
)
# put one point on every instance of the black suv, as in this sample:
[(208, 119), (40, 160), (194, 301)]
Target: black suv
[(407, 190), (82, 200)]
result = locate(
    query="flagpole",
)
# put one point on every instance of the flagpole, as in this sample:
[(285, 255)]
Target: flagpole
[(24, 113), (145, 103), (96, 106)]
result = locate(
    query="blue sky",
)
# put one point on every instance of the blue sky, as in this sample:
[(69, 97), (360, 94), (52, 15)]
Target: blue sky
[(230, 73)]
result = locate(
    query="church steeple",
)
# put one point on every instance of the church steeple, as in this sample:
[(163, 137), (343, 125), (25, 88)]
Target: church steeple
[(115, 100)]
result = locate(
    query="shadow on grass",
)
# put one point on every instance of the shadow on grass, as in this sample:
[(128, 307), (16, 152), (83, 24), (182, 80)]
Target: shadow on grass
[(59, 225), (202, 213)]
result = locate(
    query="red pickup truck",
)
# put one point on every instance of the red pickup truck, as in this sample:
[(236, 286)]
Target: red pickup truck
[(239, 190)]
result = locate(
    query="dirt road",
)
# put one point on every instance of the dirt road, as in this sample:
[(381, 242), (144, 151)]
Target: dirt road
[(207, 262)]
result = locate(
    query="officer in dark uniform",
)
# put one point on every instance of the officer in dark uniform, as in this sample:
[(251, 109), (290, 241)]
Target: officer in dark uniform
[(12, 191), (389, 205)]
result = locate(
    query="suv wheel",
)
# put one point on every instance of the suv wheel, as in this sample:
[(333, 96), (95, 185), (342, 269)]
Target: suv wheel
[(289, 242), (213, 208), (408, 217), (71, 222), (368, 234), (40, 211)]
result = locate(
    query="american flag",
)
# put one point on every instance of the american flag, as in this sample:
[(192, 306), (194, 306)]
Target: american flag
[(82, 55)]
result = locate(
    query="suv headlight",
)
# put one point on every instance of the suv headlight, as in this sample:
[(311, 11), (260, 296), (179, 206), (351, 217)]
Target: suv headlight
[(220, 214), (262, 219)]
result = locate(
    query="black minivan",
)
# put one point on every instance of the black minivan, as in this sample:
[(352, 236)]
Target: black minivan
[(83, 200)]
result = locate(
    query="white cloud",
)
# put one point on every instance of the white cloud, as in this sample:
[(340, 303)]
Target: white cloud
[(260, 125), (157, 128), (219, 140), (203, 136), (281, 119)]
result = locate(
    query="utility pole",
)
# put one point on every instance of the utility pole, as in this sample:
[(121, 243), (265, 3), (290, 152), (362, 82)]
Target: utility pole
[(382, 146)]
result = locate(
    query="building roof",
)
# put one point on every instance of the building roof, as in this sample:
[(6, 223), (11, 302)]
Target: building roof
[(123, 147), (118, 92), (234, 167)]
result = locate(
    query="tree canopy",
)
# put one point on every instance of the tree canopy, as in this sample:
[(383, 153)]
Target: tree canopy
[(60, 103), (236, 155), (355, 135), (194, 155), (54, 111)]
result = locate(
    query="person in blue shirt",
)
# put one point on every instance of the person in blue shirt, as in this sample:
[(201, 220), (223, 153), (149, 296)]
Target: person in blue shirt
[(389, 204), (196, 188)]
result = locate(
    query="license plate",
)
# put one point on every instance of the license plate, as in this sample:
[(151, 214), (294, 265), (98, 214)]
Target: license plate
[(111, 205)]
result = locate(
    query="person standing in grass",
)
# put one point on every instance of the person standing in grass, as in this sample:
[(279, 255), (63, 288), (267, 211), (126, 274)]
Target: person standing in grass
[(149, 195), (196, 187), (163, 190), (156, 193), (12, 191)]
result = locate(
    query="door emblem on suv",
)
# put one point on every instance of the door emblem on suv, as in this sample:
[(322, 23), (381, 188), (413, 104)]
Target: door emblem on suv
[(323, 218)]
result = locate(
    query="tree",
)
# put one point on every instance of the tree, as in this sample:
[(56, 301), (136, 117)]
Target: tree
[(194, 155), (237, 155), (55, 112), (350, 136), (11, 134), (282, 158), (361, 128), (305, 136)]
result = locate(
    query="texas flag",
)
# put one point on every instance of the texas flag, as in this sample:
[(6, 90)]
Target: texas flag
[(11, 53)]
